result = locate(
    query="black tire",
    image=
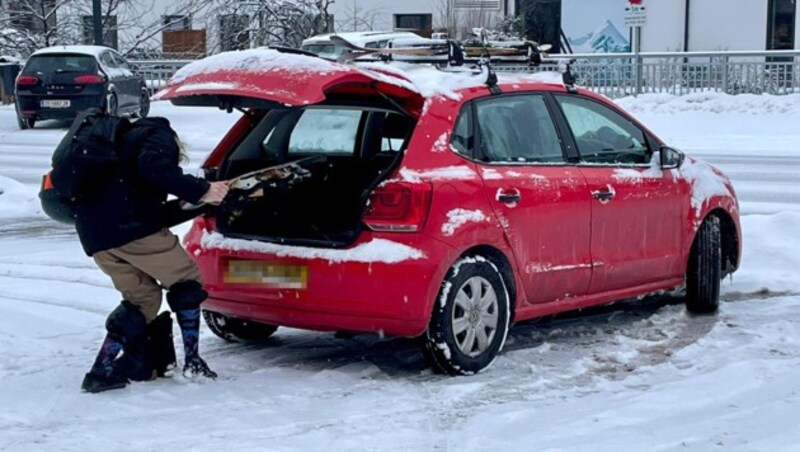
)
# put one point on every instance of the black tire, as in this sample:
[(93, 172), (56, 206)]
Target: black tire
[(112, 106), (25, 123), (462, 352), (144, 105), (237, 330), (704, 271)]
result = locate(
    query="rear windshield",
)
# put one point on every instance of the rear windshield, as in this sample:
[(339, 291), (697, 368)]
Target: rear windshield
[(45, 64)]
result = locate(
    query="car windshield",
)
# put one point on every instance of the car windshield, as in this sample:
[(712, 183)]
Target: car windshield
[(45, 64)]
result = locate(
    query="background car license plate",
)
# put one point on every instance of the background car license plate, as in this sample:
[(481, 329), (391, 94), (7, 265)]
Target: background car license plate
[(267, 274), (55, 103)]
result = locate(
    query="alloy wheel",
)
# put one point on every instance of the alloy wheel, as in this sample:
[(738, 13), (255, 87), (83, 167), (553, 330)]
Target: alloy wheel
[(475, 317)]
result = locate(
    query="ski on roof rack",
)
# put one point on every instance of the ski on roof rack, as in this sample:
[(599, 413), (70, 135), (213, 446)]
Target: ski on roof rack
[(434, 48), (452, 52)]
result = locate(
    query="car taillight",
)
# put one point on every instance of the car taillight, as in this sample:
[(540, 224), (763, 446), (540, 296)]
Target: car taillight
[(89, 79), (27, 80), (208, 223), (399, 207)]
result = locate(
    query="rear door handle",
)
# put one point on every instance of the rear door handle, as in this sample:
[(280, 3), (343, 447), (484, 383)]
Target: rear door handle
[(509, 196), (604, 196)]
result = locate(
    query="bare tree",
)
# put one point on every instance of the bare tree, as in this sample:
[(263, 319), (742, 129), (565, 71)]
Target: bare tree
[(356, 17), (445, 18), (28, 25), (147, 32), (275, 22), (459, 23)]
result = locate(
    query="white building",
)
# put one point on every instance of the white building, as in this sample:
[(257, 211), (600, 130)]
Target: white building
[(674, 25), (420, 16), (708, 25)]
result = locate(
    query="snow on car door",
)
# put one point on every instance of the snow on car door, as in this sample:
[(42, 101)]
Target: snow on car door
[(537, 196), (636, 207)]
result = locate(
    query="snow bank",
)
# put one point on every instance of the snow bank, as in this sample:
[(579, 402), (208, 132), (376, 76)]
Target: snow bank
[(770, 254), (17, 200), (712, 102)]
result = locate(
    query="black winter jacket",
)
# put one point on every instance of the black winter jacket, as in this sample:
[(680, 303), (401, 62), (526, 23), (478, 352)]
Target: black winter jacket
[(131, 203)]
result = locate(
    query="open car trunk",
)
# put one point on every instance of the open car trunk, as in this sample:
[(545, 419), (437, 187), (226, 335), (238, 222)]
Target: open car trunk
[(305, 174), (338, 129)]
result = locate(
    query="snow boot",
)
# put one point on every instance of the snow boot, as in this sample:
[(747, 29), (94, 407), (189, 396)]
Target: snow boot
[(102, 376), (126, 328), (184, 298), (162, 346)]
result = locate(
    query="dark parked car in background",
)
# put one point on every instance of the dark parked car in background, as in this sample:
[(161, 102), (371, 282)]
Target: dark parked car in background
[(59, 82)]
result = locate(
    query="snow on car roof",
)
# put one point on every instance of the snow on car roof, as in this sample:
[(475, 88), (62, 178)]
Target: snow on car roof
[(255, 60), (424, 79), (85, 50)]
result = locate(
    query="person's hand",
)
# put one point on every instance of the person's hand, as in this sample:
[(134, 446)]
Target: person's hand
[(216, 193)]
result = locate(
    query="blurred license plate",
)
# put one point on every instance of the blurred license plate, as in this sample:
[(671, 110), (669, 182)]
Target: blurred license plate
[(55, 103), (267, 274)]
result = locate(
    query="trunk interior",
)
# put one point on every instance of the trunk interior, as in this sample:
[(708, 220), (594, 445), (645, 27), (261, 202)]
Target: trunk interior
[(330, 158)]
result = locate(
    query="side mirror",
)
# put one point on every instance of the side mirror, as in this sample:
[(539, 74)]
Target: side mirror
[(671, 158)]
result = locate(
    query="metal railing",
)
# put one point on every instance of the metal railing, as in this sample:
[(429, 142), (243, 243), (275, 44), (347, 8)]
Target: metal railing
[(624, 74), (157, 72)]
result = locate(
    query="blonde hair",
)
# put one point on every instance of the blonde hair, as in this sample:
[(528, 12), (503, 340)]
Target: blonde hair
[(183, 156)]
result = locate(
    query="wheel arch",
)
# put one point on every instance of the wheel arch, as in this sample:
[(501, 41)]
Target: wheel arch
[(498, 258), (730, 241)]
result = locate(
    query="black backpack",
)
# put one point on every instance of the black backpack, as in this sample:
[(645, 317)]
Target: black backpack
[(86, 156)]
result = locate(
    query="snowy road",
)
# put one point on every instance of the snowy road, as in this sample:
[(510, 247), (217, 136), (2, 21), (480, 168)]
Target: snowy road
[(631, 377)]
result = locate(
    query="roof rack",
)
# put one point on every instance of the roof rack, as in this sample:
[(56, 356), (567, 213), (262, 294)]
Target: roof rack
[(449, 53), (445, 54)]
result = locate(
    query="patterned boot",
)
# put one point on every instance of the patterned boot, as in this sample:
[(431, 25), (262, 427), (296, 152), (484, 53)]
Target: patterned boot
[(126, 328), (184, 298), (102, 376)]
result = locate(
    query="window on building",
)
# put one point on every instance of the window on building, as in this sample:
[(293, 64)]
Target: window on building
[(109, 31), (781, 24), (176, 22), (30, 15), (477, 4), (413, 21), (233, 32), (542, 19)]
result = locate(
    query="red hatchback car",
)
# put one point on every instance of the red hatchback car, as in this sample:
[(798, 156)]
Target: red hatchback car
[(417, 202)]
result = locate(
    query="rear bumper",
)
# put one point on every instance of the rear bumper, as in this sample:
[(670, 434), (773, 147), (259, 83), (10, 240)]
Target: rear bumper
[(29, 106), (372, 294)]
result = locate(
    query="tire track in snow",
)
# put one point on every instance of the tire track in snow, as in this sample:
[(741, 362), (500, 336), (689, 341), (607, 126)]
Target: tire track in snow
[(84, 307), (47, 273)]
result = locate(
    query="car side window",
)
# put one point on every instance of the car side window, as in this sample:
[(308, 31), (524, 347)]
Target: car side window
[(518, 128), (119, 61), (461, 139), (107, 60), (603, 135)]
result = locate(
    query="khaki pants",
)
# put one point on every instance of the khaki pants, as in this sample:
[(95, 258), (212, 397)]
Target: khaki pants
[(136, 269)]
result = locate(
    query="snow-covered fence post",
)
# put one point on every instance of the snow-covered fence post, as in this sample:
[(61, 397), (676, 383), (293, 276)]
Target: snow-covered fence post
[(725, 62)]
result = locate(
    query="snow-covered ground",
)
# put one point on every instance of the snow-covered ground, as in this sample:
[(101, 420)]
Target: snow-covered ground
[(631, 377)]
